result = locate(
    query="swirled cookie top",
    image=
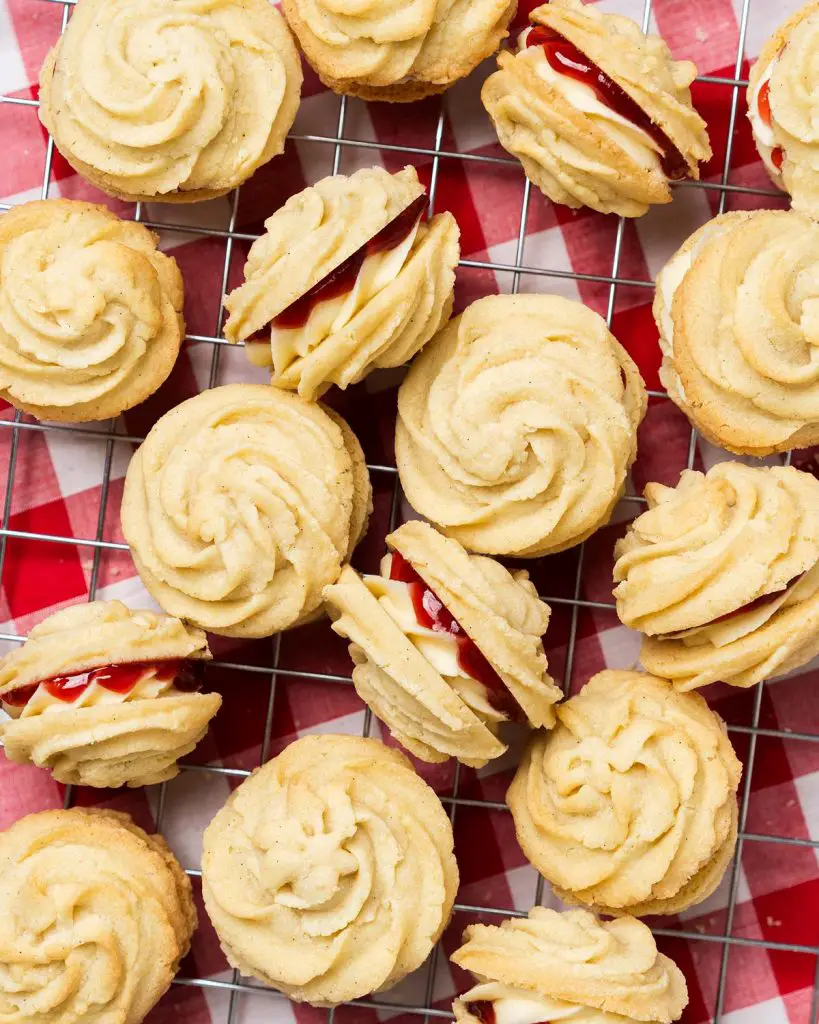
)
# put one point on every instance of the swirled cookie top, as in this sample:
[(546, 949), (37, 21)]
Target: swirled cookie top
[(95, 634), (90, 311), (241, 505), (715, 543), (638, 838), (598, 112), (641, 64), (155, 97), (314, 232), (384, 44), (735, 310), (330, 872), (517, 424), (130, 909)]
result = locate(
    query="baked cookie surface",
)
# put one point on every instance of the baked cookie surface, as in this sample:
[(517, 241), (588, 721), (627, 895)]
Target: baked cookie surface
[(100, 695), (573, 966), (721, 574), (153, 99), (734, 310), (598, 113), (517, 425), (95, 916), (241, 505), (329, 873), (639, 842), (90, 311), (447, 646), (381, 50), (783, 108), (347, 278)]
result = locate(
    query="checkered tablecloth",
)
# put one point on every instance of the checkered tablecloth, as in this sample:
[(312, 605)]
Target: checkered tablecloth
[(750, 952)]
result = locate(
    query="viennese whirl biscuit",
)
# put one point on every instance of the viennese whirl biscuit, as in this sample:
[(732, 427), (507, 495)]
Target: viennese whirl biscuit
[(100, 695), (517, 425), (95, 916), (783, 107), (598, 112), (734, 307), (383, 50), (241, 505), (722, 575), (347, 278), (329, 873), (447, 646), (571, 966), (154, 99), (638, 841), (90, 311)]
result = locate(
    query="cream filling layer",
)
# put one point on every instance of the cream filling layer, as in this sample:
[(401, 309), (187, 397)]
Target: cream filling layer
[(624, 133), (440, 649), (42, 702), (519, 1006), (763, 133), (287, 344)]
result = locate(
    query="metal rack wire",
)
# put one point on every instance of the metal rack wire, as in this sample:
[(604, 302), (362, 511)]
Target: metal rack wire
[(11, 431)]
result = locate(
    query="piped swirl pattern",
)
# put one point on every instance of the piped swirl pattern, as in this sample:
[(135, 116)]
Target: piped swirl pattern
[(629, 804), (90, 311), (722, 575), (329, 874), (95, 916), (241, 505), (517, 425), (590, 971), (178, 99)]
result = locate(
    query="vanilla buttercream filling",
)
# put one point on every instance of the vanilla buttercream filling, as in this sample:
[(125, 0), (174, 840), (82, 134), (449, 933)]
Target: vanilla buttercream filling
[(148, 687), (438, 648), (520, 1006), (624, 133)]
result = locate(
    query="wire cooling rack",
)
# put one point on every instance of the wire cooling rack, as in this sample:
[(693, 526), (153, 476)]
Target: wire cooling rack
[(12, 429)]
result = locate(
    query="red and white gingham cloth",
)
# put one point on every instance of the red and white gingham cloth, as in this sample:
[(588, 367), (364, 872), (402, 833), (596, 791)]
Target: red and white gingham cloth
[(58, 489)]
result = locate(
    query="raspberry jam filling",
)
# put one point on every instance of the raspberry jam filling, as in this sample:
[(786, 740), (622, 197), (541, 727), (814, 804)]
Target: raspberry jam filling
[(763, 103), (431, 613), (565, 58), (758, 602), (751, 606), (342, 279), (186, 677)]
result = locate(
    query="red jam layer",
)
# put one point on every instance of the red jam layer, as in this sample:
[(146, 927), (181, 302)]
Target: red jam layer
[(431, 613), (342, 280), (758, 602), (186, 676), (566, 59), (763, 102)]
